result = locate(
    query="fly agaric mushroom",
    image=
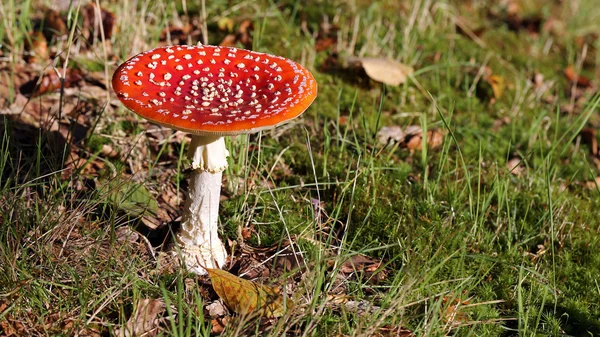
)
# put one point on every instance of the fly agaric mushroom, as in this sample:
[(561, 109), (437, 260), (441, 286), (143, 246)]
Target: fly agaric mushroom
[(211, 92)]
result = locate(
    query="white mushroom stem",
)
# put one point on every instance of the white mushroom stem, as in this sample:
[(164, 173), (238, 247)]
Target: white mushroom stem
[(198, 240)]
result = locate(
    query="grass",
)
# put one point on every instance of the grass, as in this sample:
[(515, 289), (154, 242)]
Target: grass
[(469, 247)]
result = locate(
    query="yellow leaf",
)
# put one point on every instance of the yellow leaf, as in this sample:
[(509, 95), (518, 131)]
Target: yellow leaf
[(385, 70), (245, 297), (225, 24), (497, 83)]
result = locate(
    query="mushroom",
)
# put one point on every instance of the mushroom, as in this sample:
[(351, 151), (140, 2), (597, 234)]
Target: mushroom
[(211, 92)]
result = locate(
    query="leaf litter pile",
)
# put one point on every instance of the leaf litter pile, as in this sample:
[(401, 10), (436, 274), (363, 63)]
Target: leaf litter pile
[(67, 132)]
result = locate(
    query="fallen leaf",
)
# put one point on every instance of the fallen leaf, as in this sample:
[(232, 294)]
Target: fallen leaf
[(218, 325), (541, 250), (414, 139), (176, 33), (593, 184), (246, 233), (491, 86), (97, 20), (245, 297), (216, 309), (54, 26), (371, 269), (244, 34), (228, 41), (454, 314), (225, 24), (36, 47), (384, 70), (325, 43), (497, 83), (143, 321), (390, 135), (50, 82), (576, 78)]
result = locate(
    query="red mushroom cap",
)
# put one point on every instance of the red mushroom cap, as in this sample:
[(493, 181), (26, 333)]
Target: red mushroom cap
[(214, 90)]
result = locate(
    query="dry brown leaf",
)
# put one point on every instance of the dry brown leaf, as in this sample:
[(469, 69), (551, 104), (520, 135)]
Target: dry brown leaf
[(390, 134), (245, 297), (411, 137), (143, 321), (454, 314), (218, 325), (246, 233), (370, 268), (576, 78), (36, 47), (384, 70), (108, 151), (54, 26), (176, 33), (414, 141), (435, 138), (50, 82), (228, 41), (325, 43), (245, 33), (593, 184), (97, 19)]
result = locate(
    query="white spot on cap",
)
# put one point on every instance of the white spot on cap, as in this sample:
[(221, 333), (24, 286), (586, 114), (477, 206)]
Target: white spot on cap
[(167, 76)]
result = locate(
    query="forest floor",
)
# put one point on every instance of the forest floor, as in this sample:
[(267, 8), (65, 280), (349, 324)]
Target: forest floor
[(446, 180)]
